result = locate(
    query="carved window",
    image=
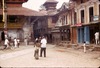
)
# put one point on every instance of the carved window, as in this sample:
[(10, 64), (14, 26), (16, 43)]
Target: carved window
[(0, 18), (82, 1), (82, 16), (0, 4), (99, 10), (75, 18), (7, 0), (91, 14), (12, 19), (66, 20)]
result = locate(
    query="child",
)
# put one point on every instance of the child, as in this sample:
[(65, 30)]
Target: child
[(15, 42), (84, 45)]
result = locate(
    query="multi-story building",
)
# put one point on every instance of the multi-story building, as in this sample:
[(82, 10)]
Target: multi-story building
[(77, 21), (61, 32), (86, 20), (19, 19), (45, 23)]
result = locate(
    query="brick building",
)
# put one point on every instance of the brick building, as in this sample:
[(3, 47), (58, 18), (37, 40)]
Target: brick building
[(19, 19), (86, 19), (45, 23)]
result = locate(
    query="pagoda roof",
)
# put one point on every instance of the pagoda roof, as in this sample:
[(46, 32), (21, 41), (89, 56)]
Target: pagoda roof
[(51, 1), (72, 0), (49, 13), (22, 11)]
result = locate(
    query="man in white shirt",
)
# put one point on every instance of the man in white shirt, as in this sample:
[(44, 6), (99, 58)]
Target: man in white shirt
[(6, 43), (97, 37), (43, 46)]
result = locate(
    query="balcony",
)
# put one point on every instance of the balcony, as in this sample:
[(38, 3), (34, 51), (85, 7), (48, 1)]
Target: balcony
[(12, 25), (94, 19)]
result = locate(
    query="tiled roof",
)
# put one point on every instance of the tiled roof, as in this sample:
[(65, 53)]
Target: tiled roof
[(49, 13), (54, 1), (64, 7), (22, 11), (52, 12), (43, 12), (72, 0)]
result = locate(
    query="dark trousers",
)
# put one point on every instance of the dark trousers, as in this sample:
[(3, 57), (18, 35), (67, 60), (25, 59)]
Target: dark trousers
[(43, 50), (18, 45), (5, 46)]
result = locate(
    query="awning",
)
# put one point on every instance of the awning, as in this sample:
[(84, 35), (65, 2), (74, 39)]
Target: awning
[(21, 11)]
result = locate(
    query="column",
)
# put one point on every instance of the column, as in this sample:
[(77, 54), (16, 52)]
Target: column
[(81, 35), (78, 35), (86, 34)]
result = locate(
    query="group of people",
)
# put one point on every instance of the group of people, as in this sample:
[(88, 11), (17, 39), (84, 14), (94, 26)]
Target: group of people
[(40, 43), (8, 41)]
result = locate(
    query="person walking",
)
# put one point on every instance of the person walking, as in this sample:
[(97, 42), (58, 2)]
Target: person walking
[(6, 43), (37, 46), (43, 46), (84, 47), (97, 38)]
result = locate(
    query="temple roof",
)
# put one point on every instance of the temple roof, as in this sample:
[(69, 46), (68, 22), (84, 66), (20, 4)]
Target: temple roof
[(51, 1), (14, 1), (72, 0), (22, 11)]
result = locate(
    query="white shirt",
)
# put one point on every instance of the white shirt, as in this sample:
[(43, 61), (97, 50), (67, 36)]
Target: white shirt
[(15, 41), (96, 35), (6, 41), (6, 36), (18, 40), (43, 43)]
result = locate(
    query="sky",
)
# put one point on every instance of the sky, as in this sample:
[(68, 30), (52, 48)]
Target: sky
[(35, 5)]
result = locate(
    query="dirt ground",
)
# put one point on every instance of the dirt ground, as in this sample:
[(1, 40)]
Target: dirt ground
[(56, 57)]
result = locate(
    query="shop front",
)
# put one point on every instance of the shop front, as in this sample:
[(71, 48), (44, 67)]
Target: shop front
[(74, 35), (83, 34), (95, 27), (65, 33), (86, 33)]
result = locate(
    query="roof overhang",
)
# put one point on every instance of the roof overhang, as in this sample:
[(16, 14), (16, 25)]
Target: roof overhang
[(21, 11)]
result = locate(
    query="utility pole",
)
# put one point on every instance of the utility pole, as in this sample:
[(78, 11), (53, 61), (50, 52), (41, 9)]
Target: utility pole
[(4, 14)]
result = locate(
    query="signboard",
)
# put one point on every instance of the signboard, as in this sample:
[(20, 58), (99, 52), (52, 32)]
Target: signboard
[(79, 24), (95, 18)]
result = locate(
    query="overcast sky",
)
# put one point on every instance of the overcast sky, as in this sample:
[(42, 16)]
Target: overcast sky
[(35, 5)]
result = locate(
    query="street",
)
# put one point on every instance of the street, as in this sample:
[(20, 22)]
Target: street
[(56, 57)]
